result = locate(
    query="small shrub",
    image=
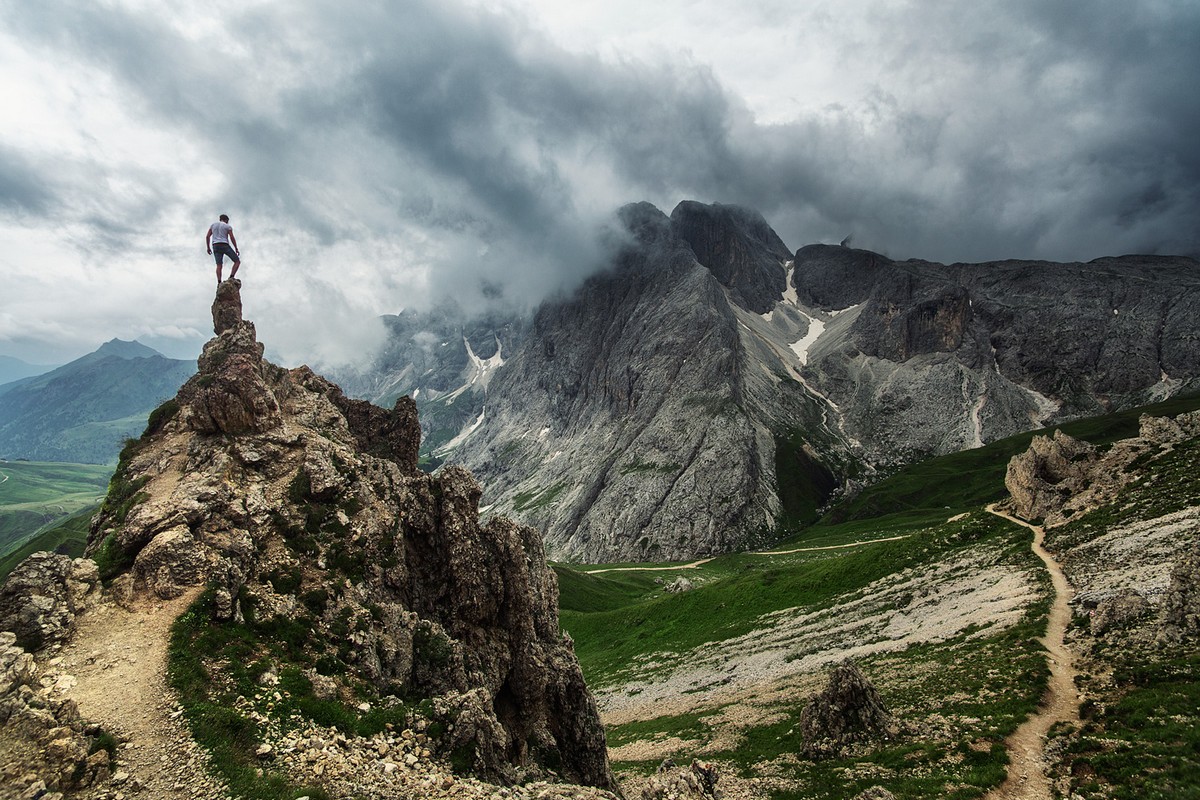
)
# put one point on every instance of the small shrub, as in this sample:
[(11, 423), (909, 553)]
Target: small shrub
[(315, 601), (160, 416), (285, 581)]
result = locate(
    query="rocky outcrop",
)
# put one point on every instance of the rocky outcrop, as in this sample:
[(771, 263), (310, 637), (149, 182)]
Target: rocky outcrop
[(1059, 477), (227, 306), (673, 782), (1049, 473), (46, 747), (40, 598), (1181, 604), (305, 513), (847, 712)]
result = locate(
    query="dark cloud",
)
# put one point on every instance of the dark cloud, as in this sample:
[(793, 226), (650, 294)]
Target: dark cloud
[(23, 188), (1039, 128)]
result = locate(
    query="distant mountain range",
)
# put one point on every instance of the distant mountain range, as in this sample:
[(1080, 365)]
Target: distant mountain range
[(712, 385), (14, 369), (83, 411)]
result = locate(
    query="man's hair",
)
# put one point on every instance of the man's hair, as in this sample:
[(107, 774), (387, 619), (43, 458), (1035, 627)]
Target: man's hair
[(224, 218)]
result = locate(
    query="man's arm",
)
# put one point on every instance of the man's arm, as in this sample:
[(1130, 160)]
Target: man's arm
[(233, 241), (208, 241)]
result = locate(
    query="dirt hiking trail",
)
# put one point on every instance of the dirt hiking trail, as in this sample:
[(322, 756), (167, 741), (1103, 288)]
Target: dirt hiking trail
[(703, 561), (114, 668), (1027, 779)]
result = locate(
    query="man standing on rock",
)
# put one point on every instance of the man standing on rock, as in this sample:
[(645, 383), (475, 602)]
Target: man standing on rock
[(221, 242)]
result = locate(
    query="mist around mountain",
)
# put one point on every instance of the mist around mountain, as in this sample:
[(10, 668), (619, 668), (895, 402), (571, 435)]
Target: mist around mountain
[(713, 389), (82, 412)]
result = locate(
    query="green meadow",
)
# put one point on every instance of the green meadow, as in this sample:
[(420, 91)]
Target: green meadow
[(45, 506)]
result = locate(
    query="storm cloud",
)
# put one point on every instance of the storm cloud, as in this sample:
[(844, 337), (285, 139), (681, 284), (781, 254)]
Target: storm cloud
[(376, 156)]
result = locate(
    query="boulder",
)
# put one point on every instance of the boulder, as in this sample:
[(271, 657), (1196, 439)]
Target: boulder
[(875, 793), (848, 711), (170, 563), (1181, 604), (679, 585), (1042, 478), (1123, 610), (672, 782), (41, 597)]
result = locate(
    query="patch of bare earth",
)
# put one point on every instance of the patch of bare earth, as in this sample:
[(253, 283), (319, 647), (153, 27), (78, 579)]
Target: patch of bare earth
[(114, 669), (916, 606)]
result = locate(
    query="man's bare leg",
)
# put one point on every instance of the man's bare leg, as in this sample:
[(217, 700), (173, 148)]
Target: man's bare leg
[(218, 273), (233, 274)]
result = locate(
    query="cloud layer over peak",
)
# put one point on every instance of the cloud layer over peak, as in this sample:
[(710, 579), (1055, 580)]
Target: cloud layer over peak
[(377, 156)]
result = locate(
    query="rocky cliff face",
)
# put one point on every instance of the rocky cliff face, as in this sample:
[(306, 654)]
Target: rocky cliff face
[(632, 423), (442, 360), (306, 515), (937, 358)]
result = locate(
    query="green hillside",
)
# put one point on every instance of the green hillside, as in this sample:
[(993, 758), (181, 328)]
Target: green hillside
[(973, 478), (83, 411), (36, 497)]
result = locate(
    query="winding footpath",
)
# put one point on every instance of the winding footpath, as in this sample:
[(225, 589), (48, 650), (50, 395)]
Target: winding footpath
[(1027, 779), (703, 561)]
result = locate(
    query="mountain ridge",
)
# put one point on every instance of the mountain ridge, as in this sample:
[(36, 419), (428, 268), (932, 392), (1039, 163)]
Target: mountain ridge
[(83, 411), (835, 365)]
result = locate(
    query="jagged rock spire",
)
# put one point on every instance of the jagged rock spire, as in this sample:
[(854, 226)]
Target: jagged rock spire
[(227, 307)]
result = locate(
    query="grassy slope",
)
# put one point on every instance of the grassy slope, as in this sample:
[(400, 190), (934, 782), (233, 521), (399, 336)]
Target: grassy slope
[(987, 684), (973, 478), (39, 496), (67, 536)]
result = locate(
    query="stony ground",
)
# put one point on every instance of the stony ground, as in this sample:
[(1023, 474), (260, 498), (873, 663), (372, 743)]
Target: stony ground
[(911, 607), (114, 668)]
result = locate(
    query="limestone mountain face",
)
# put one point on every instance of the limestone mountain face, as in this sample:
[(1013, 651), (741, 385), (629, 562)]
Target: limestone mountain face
[(305, 511), (635, 421), (441, 359), (933, 358)]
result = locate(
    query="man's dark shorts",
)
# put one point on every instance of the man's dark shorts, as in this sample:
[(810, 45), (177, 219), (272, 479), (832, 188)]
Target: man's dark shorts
[(222, 249)]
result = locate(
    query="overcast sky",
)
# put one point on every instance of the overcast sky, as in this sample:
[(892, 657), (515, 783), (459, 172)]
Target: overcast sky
[(374, 156)]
